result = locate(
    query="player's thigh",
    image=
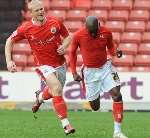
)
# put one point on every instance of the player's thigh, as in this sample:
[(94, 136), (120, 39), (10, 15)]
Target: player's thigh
[(110, 81), (115, 93), (49, 75), (61, 74), (54, 84), (93, 90)]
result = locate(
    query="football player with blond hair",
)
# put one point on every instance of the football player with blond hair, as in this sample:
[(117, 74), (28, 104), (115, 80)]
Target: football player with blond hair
[(48, 39)]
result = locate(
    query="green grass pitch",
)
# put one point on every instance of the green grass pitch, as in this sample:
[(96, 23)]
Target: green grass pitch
[(21, 124)]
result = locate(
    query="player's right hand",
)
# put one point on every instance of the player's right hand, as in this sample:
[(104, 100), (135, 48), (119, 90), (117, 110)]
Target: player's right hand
[(77, 77), (61, 50), (11, 66), (119, 53)]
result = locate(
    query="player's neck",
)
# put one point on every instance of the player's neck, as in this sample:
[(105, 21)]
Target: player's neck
[(38, 22)]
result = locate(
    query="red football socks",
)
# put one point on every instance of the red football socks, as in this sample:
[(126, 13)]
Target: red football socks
[(60, 107), (118, 111)]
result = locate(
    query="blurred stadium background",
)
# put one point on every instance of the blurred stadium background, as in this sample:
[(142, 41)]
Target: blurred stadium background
[(129, 21)]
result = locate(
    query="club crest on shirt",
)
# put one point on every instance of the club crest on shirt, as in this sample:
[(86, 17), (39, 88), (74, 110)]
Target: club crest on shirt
[(53, 30), (31, 37)]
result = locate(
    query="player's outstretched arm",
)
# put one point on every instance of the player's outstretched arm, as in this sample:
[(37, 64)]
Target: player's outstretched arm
[(114, 50), (65, 44), (11, 66)]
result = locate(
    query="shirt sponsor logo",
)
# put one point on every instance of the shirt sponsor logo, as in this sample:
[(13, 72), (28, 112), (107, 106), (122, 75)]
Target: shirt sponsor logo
[(47, 41)]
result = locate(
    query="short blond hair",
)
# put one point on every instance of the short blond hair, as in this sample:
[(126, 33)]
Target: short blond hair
[(33, 3)]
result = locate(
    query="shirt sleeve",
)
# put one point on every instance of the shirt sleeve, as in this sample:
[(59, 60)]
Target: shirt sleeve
[(110, 44), (63, 30), (18, 34), (73, 54)]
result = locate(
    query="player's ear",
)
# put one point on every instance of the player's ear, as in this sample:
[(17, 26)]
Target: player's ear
[(98, 24)]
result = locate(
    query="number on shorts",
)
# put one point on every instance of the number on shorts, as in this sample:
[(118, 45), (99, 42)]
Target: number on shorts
[(115, 76)]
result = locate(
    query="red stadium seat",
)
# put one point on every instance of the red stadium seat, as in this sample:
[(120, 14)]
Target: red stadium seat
[(125, 60), (135, 26), (30, 61), (139, 15), (131, 37), (118, 15), (60, 14), (142, 4), (100, 14), (73, 25), (20, 60), (146, 37), (60, 4), (144, 48), (122, 4), (129, 48), (21, 48), (46, 4), (29, 69), (142, 60), (19, 68), (115, 26), (116, 36), (82, 4), (102, 4), (123, 69), (140, 69), (148, 26), (76, 15)]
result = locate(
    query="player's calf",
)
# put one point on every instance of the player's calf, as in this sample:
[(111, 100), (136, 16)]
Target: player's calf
[(61, 111), (95, 104)]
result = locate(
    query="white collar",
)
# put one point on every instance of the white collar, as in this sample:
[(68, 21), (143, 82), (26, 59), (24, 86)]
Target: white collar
[(38, 24)]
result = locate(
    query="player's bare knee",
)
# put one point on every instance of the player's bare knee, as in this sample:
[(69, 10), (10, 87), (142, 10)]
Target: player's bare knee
[(117, 98)]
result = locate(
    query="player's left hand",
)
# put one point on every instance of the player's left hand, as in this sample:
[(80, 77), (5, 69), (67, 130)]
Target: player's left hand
[(77, 77), (119, 53), (61, 50)]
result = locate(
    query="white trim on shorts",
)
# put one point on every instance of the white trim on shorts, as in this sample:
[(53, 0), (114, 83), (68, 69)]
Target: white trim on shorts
[(45, 70)]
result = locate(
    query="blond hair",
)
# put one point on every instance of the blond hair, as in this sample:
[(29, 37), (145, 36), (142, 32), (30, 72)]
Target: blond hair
[(33, 3)]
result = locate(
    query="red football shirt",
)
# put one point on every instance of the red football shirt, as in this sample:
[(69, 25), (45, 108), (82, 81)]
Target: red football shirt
[(93, 50), (44, 40)]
